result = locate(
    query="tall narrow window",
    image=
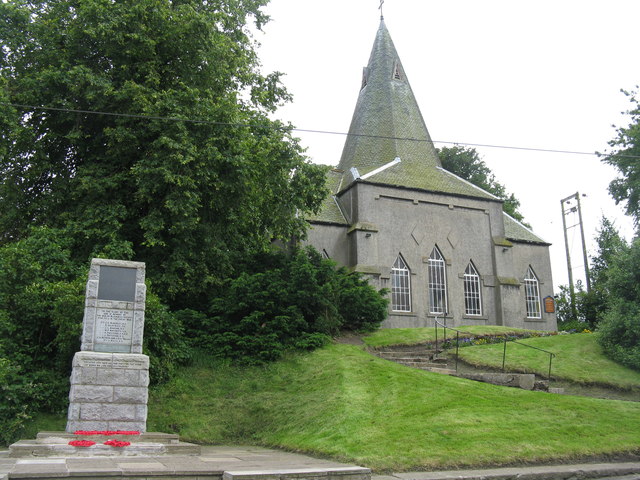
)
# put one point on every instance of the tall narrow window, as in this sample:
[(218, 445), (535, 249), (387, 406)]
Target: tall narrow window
[(472, 299), (400, 286), (532, 294), (437, 282)]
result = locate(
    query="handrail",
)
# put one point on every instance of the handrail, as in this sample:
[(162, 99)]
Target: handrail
[(504, 353)]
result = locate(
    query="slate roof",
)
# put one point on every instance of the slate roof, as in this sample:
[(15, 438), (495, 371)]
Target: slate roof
[(330, 211), (387, 124), (516, 232)]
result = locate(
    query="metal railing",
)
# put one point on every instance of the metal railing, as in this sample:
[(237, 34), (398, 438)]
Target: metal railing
[(504, 351)]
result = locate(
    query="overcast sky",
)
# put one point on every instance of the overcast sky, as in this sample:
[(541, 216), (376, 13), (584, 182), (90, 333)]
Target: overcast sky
[(544, 74)]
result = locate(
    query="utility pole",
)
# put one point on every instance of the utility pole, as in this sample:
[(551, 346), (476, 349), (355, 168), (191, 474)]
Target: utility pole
[(565, 212)]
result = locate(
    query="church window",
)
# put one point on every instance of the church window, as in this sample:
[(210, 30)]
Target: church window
[(532, 294), (472, 297), (437, 283), (400, 286)]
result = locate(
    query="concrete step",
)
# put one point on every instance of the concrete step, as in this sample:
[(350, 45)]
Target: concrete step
[(444, 371), (526, 381), (56, 444), (153, 437), (404, 354)]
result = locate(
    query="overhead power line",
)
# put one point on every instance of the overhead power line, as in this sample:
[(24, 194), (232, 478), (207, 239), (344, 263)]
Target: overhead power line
[(303, 130)]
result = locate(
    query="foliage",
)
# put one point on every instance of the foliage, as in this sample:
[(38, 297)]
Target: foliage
[(185, 171), (591, 306), (466, 163), (15, 398), (620, 329), (281, 302), (625, 156)]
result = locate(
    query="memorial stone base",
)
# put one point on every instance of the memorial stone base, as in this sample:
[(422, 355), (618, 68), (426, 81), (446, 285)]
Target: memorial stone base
[(109, 391)]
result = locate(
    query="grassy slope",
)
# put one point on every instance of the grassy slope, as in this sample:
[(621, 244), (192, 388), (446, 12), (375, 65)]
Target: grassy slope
[(342, 402), (579, 359), (409, 336)]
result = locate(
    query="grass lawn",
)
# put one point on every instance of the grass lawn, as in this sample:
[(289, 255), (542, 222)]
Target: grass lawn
[(409, 336), (342, 402), (578, 359)]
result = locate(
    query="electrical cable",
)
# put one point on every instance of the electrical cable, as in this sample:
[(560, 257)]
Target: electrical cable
[(303, 130)]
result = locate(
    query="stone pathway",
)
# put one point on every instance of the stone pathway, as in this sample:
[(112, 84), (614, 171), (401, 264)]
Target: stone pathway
[(256, 463), (228, 463), (621, 471)]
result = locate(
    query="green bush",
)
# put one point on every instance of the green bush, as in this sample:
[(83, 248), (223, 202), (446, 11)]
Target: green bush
[(620, 333), (15, 404), (282, 302), (620, 328)]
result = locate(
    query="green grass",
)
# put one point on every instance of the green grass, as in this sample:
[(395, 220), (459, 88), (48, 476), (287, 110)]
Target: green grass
[(409, 336), (344, 403), (578, 359)]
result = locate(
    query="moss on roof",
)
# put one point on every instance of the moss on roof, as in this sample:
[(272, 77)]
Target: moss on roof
[(387, 124), (517, 232), (329, 211)]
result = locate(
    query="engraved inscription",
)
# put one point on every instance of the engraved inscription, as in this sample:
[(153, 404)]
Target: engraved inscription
[(113, 326)]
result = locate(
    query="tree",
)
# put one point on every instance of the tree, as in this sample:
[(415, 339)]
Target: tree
[(620, 328), (625, 156), (466, 163), (149, 137)]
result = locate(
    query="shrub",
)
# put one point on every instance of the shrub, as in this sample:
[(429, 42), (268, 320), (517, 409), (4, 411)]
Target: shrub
[(16, 392), (282, 302), (620, 328), (620, 334)]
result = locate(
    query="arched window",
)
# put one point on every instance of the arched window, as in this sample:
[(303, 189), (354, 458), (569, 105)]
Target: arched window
[(400, 286), (532, 294), (472, 296), (437, 282)]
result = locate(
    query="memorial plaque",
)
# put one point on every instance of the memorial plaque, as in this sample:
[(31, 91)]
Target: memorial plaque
[(117, 283), (113, 331)]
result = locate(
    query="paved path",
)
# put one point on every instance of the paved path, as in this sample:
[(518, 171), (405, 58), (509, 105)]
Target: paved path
[(236, 463), (250, 463), (626, 471)]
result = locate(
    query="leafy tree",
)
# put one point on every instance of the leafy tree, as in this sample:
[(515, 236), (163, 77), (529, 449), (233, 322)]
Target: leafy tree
[(183, 169), (620, 328), (466, 163), (593, 305), (625, 156)]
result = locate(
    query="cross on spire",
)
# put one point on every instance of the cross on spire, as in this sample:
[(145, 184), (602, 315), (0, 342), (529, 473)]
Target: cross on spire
[(380, 8)]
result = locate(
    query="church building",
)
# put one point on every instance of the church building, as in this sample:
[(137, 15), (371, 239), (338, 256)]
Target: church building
[(443, 247)]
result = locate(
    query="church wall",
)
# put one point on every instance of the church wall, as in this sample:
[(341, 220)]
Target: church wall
[(537, 257), (388, 221), (411, 223), (332, 239)]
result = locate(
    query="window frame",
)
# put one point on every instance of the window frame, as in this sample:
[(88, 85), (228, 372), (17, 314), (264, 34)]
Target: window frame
[(532, 295), (401, 291), (472, 291), (437, 288)]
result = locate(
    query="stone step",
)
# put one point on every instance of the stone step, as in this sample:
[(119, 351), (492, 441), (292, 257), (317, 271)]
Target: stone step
[(410, 363), (153, 437), (526, 381), (444, 371), (56, 444), (404, 354)]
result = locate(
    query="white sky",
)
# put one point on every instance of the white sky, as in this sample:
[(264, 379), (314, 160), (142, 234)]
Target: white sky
[(544, 74)]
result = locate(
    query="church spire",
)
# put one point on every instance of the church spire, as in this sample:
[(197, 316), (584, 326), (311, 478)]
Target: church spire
[(388, 141), (386, 115)]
